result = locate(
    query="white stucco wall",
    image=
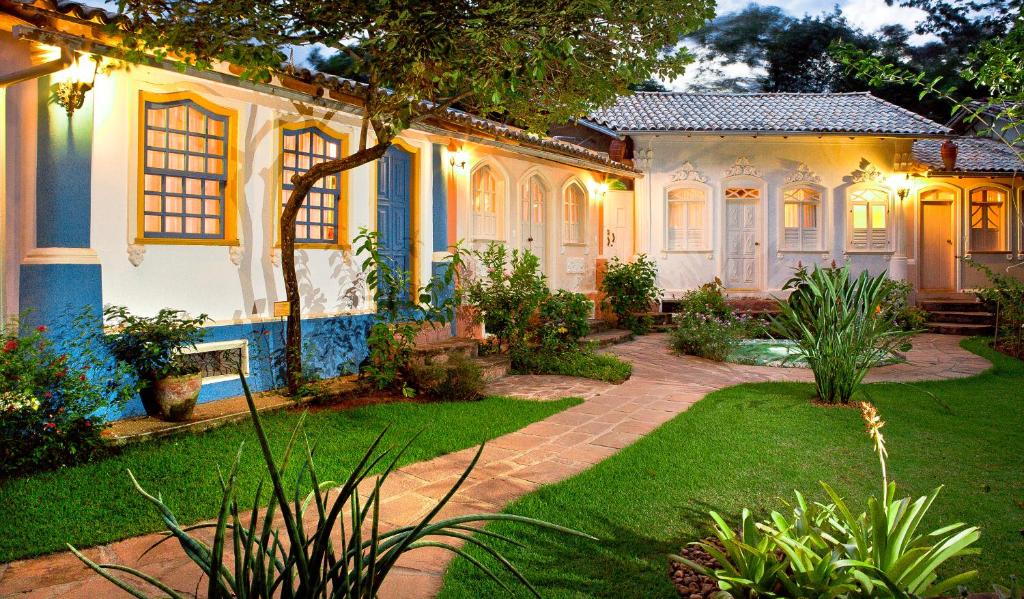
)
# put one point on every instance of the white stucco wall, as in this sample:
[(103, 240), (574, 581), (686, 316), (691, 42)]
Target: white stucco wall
[(834, 161)]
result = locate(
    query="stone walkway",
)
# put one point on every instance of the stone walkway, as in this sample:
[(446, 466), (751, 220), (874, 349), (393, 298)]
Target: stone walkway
[(612, 417)]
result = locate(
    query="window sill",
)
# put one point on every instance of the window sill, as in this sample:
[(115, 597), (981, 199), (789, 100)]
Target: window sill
[(870, 252), (704, 251), (989, 252), (176, 241), (817, 251)]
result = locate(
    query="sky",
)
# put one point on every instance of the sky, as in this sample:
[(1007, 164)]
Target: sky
[(868, 15)]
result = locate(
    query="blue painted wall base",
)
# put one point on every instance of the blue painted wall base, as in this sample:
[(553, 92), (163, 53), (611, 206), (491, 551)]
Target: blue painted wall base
[(50, 294)]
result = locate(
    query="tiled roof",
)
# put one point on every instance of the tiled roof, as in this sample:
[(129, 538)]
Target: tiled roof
[(856, 113), (974, 154)]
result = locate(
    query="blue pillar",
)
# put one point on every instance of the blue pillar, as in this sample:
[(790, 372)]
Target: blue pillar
[(440, 199), (61, 274)]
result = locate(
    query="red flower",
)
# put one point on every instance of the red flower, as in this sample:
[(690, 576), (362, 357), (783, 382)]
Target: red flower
[(81, 377), (11, 345), (62, 373), (41, 328), (50, 425), (48, 395)]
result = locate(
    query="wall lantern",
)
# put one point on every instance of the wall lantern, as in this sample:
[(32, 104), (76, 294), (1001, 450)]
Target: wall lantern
[(78, 79), (456, 155), (599, 190), (901, 184)]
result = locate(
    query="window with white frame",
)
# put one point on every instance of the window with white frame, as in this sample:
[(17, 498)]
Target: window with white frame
[(988, 206), (801, 213), (686, 219), (574, 205), (486, 190), (869, 220)]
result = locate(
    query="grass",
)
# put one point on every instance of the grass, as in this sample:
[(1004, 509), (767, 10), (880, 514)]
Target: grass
[(751, 446), (584, 363), (95, 503)]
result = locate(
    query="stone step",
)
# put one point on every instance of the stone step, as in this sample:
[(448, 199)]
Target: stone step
[(460, 345), (494, 366), (659, 318), (962, 317), (967, 330), (607, 338), (599, 325), (953, 306)]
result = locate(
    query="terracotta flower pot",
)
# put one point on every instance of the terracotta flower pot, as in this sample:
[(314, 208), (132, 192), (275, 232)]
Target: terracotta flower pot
[(172, 398), (948, 150)]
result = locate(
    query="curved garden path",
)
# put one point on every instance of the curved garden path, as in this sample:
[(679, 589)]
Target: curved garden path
[(611, 417)]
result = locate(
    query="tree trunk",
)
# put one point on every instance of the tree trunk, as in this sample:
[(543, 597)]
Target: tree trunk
[(302, 184)]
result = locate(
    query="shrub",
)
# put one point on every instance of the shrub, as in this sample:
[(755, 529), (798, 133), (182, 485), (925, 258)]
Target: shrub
[(825, 550), (304, 548), (708, 299), (895, 304), (630, 288), (152, 345), (564, 318), (402, 310), (51, 404), (456, 379), (581, 362), (839, 327), (1006, 295), (708, 336), (507, 293)]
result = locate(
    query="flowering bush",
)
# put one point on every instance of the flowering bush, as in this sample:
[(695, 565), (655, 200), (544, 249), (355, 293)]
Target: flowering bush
[(708, 335), (507, 292), (564, 320), (630, 288), (895, 303), (51, 401)]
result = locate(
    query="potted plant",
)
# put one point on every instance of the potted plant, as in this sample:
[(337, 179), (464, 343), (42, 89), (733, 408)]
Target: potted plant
[(169, 384)]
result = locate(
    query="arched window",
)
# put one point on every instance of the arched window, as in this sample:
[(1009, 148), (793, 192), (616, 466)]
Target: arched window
[(686, 218), (185, 175), (868, 223), (988, 208), (801, 214), (574, 209), (487, 192), (317, 221)]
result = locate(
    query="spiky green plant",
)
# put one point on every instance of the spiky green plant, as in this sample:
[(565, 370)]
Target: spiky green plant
[(838, 327), (339, 558)]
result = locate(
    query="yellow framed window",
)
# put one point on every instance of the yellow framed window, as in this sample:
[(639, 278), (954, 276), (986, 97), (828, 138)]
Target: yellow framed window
[(186, 170), (988, 206), (319, 220)]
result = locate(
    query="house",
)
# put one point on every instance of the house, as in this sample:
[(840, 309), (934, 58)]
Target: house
[(152, 186), (164, 189), (747, 187)]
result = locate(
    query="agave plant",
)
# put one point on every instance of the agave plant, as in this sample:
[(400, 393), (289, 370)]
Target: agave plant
[(839, 328), (252, 557)]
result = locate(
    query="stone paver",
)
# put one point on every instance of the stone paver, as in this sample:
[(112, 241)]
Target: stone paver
[(613, 416)]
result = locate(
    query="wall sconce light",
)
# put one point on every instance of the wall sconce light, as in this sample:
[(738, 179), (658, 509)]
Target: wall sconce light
[(901, 184), (456, 155), (79, 78)]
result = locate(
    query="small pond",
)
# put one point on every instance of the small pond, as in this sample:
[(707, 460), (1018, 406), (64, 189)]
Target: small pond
[(776, 352)]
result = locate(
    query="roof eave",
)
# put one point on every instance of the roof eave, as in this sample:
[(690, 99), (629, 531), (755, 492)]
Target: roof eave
[(774, 133), (979, 173)]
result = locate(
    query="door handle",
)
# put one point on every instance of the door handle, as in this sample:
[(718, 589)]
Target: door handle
[(530, 239), (757, 243), (949, 242)]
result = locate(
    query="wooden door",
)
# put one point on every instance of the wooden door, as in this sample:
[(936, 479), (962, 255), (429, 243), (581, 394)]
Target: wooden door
[(937, 246), (618, 225), (532, 212), (742, 244), (394, 207)]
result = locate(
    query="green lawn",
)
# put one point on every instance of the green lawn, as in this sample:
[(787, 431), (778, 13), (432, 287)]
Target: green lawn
[(750, 446), (95, 503), (585, 363)]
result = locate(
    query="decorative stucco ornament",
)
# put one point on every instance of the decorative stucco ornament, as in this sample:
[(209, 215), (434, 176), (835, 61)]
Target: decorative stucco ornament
[(235, 254), (688, 172), (136, 252), (642, 158), (741, 167), (803, 174), (867, 173)]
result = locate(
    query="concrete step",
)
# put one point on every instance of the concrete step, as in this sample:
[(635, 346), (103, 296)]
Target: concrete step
[(460, 345), (953, 306), (962, 317), (607, 338), (494, 366), (599, 325), (946, 328)]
